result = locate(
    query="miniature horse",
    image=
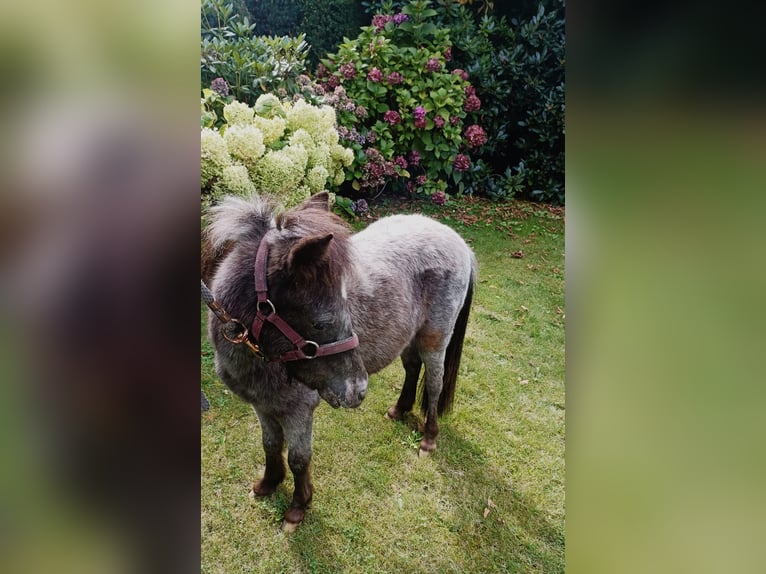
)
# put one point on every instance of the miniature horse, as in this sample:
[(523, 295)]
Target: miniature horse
[(352, 305)]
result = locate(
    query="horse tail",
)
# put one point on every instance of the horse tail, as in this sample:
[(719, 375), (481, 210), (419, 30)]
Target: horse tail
[(452, 355)]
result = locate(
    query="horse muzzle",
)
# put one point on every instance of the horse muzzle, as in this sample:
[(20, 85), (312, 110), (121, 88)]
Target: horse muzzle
[(349, 396)]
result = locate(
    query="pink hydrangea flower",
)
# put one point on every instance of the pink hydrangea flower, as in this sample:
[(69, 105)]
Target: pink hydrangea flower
[(439, 121), (375, 75), (348, 70), (421, 180), (380, 21), (392, 117), (394, 78), (462, 162), (448, 54), (462, 73), (432, 65), (472, 103), (475, 135), (439, 197), (415, 158)]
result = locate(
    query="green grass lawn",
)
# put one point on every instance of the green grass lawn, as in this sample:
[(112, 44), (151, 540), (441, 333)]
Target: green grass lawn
[(490, 499)]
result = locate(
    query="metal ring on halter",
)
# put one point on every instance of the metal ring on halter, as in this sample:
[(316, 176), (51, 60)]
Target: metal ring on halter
[(241, 337), (271, 309), (316, 349)]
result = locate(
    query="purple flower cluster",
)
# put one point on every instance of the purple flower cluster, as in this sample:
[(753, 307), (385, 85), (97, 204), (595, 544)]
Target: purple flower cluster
[(351, 135), (348, 70), (454, 120), (392, 117), (420, 117), (360, 112), (394, 78), (322, 71), (448, 54), (415, 158), (399, 18), (376, 169), (421, 180), (433, 65), (359, 206), (220, 86), (375, 75), (462, 162), (475, 135), (439, 121), (380, 21), (401, 162), (439, 197)]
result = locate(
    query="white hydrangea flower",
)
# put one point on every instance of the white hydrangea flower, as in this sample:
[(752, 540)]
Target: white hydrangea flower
[(245, 143), (235, 180), (272, 129), (214, 155), (277, 173), (298, 155), (296, 197), (313, 119), (316, 178), (238, 113)]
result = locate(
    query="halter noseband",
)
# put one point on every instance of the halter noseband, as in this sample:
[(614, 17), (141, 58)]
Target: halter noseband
[(265, 311)]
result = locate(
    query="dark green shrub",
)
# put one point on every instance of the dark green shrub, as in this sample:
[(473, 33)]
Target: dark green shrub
[(327, 22), (518, 71), (276, 17), (250, 65)]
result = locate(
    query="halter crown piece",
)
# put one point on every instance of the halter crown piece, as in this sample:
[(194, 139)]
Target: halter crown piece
[(265, 311)]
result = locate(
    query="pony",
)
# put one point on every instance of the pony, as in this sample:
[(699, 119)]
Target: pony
[(327, 309)]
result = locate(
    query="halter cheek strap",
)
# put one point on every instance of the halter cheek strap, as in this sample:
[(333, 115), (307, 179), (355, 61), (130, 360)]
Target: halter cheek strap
[(265, 312)]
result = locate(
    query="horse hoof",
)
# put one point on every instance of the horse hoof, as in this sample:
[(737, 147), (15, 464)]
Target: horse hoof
[(426, 447), (260, 489), (289, 527), (293, 517), (393, 414)]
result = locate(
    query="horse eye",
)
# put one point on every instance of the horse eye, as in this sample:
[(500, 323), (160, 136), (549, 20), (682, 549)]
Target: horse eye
[(319, 326)]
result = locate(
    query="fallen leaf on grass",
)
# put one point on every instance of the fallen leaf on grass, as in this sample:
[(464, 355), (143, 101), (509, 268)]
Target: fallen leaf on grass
[(517, 254), (486, 512), (524, 382), (490, 503)]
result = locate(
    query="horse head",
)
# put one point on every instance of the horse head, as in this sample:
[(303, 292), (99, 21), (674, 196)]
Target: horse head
[(306, 271)]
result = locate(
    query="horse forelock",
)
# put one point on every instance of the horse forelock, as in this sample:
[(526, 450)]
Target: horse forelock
[(236, 219), (325, 272)]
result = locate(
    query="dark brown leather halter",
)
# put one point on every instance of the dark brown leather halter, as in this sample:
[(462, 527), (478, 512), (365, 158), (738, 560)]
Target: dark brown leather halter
[(304, 349)]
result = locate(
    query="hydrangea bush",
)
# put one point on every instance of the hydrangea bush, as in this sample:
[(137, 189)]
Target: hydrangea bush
[(288, 149), (408, 118)]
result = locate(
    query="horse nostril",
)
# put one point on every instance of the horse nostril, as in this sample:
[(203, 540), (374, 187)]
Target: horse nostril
[(361, 394)]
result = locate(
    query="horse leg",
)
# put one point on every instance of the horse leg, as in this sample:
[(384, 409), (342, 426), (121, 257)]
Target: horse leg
[(433, 380), (273, 441), (298, 429), (412, 365)]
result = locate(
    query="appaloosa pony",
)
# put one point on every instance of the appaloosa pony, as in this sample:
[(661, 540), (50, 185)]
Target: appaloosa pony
[(325, 308)]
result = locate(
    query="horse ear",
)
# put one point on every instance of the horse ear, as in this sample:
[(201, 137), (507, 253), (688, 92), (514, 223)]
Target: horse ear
[(308, 249), (320, 200)]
